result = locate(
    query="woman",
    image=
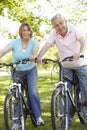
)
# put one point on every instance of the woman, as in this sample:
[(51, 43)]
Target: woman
[(22, 48)]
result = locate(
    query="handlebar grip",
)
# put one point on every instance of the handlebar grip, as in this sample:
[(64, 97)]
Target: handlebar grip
[(81, 56), (70, 58)]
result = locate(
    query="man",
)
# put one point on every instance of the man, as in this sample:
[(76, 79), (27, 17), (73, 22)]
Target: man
[(69, 42)]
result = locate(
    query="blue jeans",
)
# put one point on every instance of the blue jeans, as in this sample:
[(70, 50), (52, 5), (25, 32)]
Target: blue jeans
[(31, 76), (82, 76)]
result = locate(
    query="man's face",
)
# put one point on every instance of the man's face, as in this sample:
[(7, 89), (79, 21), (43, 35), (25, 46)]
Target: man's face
[(60, 25)]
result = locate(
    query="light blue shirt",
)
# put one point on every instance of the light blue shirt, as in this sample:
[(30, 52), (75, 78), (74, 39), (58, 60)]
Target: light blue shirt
[(19, 54)]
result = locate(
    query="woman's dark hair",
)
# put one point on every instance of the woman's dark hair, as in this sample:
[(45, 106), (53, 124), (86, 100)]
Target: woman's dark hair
[(21, 29)]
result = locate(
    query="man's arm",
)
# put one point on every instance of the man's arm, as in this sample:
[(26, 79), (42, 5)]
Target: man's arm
[(43, 51), (83, 44)]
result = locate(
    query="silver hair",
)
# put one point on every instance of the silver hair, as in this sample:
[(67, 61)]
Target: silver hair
[(56, 17)]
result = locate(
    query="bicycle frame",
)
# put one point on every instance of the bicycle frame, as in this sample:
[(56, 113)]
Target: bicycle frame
[(66, 90), (16, 87)]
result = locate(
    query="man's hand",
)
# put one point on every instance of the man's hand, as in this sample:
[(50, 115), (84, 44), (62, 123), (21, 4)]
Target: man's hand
[(76, 56)]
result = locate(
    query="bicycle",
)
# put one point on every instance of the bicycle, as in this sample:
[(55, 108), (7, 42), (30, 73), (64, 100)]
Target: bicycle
[(15, 97), (60, 95)]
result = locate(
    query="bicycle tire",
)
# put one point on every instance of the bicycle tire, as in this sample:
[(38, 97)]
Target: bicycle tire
[(59, 120), (31, 113), (33, 119), (80, 106), (22, 119), (9, 104)]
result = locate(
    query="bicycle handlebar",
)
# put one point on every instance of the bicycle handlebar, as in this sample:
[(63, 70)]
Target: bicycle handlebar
[(70, 58), (23, 61)]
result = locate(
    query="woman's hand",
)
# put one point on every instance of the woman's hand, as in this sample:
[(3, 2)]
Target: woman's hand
[(38, 60)]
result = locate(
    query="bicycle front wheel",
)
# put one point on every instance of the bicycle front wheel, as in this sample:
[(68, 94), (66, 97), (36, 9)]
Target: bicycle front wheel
[(58, 116), (80, 105), (9, 111)]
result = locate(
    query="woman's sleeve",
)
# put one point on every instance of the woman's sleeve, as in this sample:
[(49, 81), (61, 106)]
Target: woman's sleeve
[(12, 42)]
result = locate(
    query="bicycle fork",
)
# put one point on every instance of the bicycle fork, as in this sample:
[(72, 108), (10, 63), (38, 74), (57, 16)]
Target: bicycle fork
[(63, 87), (68, 96), (66, 105)]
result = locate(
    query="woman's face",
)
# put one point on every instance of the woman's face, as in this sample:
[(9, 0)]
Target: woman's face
[(60, 25), (25, 32)]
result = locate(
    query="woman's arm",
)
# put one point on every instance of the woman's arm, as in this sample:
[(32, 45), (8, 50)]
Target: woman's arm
[(35, 50), (41, 53), (5, 50), (35, 53)]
